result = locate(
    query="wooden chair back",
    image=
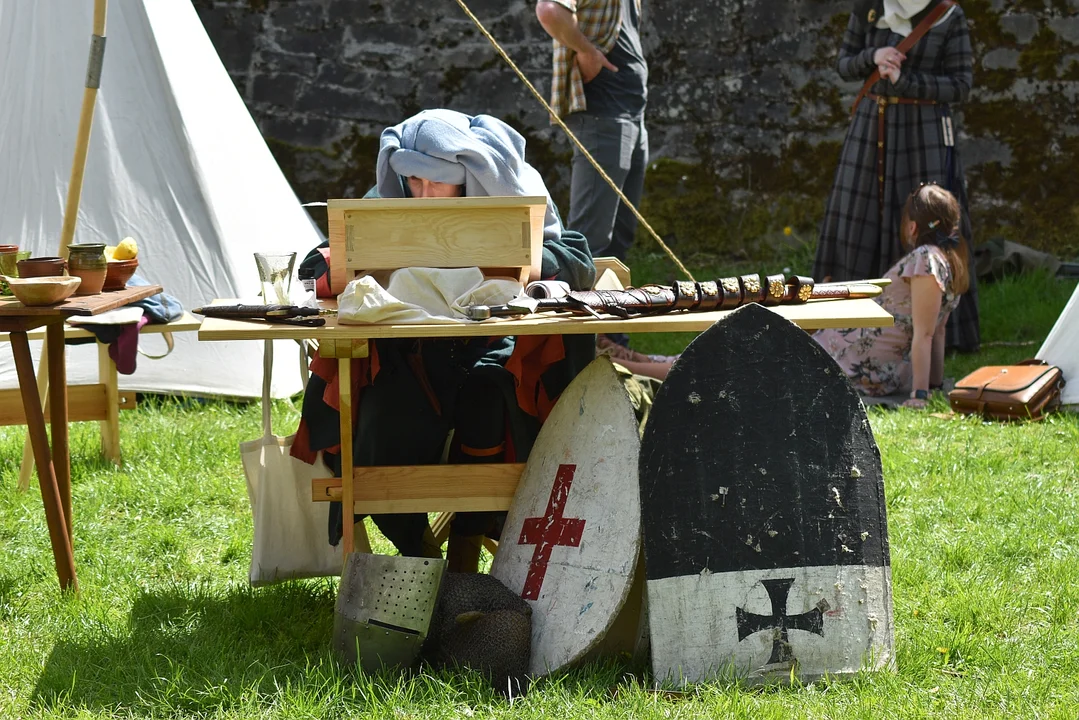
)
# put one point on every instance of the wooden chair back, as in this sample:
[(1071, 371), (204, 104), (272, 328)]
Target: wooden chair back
[(503, 236)]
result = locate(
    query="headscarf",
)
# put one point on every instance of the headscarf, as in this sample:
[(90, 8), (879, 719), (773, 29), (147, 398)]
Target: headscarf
[(482, 153), (898, 13)]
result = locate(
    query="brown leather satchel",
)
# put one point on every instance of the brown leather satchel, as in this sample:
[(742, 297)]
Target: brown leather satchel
[(1026, 391)]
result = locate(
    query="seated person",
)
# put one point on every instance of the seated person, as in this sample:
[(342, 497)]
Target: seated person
[(926, 285), (474, 400)]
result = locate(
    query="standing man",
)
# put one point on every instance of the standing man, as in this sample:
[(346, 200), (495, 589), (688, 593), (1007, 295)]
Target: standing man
[(599, 88)]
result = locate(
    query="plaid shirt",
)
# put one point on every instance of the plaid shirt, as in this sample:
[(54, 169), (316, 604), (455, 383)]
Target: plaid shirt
[(599, 21)]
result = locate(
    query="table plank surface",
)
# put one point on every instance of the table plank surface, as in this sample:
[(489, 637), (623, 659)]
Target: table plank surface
[(813, 315), (186, 323), (78, 304)]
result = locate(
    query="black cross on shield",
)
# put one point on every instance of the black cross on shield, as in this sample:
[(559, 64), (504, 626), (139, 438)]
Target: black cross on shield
[(779, 621)]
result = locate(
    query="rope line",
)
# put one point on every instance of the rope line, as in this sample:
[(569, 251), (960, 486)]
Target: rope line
[(573, 138)]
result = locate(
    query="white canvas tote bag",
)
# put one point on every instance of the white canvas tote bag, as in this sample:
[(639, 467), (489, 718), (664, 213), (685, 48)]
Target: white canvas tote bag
[(290, 539)]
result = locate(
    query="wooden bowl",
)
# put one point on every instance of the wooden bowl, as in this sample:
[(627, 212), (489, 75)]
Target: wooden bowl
[(37, 291), (118, 272)]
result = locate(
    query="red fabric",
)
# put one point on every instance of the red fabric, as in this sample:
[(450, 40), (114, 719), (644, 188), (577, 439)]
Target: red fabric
[(322, 283), (532, 355), (363, 372)]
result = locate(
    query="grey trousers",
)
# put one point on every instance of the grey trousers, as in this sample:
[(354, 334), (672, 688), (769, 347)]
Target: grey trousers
[(620, 146)]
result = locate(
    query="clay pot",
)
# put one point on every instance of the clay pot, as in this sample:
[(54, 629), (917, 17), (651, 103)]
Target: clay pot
[(41, 267), (118, 273), (87, 261)]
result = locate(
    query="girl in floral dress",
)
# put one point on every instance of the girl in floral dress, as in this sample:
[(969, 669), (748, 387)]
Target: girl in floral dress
[(926, 285)]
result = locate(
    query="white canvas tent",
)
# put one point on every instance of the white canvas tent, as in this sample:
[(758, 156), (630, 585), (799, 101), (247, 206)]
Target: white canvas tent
[(1061, 348), (175, 161)]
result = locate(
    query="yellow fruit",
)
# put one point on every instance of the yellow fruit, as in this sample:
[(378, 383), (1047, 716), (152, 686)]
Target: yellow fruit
[(126, 250), (110, 251)]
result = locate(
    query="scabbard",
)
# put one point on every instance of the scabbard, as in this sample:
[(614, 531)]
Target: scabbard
[(685, 296), (251, 312)]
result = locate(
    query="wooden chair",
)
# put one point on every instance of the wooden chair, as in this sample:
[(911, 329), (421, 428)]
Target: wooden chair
[(503, 237)]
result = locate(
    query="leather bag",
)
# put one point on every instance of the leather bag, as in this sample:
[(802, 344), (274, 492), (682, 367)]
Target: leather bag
[(1026, 391)]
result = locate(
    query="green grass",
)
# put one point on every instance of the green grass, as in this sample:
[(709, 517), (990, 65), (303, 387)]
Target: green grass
[(984, 522)]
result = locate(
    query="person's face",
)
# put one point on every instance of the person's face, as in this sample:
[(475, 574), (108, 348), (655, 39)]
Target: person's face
[(421, 188)]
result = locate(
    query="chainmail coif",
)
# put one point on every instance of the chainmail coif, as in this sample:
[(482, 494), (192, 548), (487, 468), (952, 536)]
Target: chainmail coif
[(480, 624)]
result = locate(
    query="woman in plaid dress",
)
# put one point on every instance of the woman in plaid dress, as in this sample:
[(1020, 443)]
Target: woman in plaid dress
[(860, 233)]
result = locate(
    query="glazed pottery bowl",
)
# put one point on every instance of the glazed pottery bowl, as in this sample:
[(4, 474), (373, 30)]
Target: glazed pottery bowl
[(118, 273), (47, 290), (41, 267)]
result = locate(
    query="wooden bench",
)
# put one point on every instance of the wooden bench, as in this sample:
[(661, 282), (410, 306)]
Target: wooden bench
[(101, 401)]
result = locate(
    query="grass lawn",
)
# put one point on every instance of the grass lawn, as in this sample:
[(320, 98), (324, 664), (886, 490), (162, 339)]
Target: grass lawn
[(984, 523)]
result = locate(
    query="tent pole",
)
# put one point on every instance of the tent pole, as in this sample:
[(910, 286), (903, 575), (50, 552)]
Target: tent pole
[(74, 188)]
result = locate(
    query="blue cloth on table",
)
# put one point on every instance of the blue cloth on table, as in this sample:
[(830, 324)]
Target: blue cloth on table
[(159, 308)]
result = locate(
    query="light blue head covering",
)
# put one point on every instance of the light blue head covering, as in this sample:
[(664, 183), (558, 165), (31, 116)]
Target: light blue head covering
[(482, 153)]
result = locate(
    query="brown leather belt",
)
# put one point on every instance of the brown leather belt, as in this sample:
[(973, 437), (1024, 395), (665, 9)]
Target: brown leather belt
[(883, 101)]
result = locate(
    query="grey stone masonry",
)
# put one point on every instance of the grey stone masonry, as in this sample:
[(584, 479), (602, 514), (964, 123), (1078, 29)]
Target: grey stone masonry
[(743, 91)]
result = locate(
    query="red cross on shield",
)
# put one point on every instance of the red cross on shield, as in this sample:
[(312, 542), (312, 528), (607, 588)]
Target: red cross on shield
[(549, 531)]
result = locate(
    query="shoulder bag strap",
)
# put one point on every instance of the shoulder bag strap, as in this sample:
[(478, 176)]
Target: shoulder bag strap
[(908, 42)]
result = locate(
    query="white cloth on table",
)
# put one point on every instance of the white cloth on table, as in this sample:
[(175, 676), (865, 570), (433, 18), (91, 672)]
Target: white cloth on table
[(422, 295)]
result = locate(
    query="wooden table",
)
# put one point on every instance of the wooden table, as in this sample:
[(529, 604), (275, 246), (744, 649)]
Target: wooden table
[(345, 342), (54, 465), (101, 401)]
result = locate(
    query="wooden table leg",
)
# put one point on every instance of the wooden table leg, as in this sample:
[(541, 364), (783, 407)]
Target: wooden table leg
[(348, 505), (61, 450), (110, 426), (26, 470), (50, 493)]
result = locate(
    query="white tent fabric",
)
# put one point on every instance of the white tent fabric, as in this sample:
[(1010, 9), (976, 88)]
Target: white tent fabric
[(175, 161), (1061, 348)]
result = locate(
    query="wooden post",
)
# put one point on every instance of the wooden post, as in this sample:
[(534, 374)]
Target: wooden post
[(86, 121)]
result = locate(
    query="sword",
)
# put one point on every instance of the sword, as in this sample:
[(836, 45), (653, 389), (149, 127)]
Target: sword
[(724, 294)]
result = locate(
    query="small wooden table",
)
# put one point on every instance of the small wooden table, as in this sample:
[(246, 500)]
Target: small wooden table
[(101, 401), (54, 465), (345, 342)]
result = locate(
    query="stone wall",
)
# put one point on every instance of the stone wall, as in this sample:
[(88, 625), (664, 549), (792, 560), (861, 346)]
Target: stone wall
[(746, 112)]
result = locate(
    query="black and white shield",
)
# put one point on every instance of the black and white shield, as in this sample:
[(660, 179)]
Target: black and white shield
[(766, 540), (572, 536)]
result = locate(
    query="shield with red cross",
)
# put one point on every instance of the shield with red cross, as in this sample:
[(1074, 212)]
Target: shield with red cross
[(572, 535)]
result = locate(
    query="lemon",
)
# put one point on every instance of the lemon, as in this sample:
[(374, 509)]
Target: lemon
[(126, 250), (110, 252)]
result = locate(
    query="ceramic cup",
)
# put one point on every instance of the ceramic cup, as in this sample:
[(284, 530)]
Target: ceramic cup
[(87, 261)]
